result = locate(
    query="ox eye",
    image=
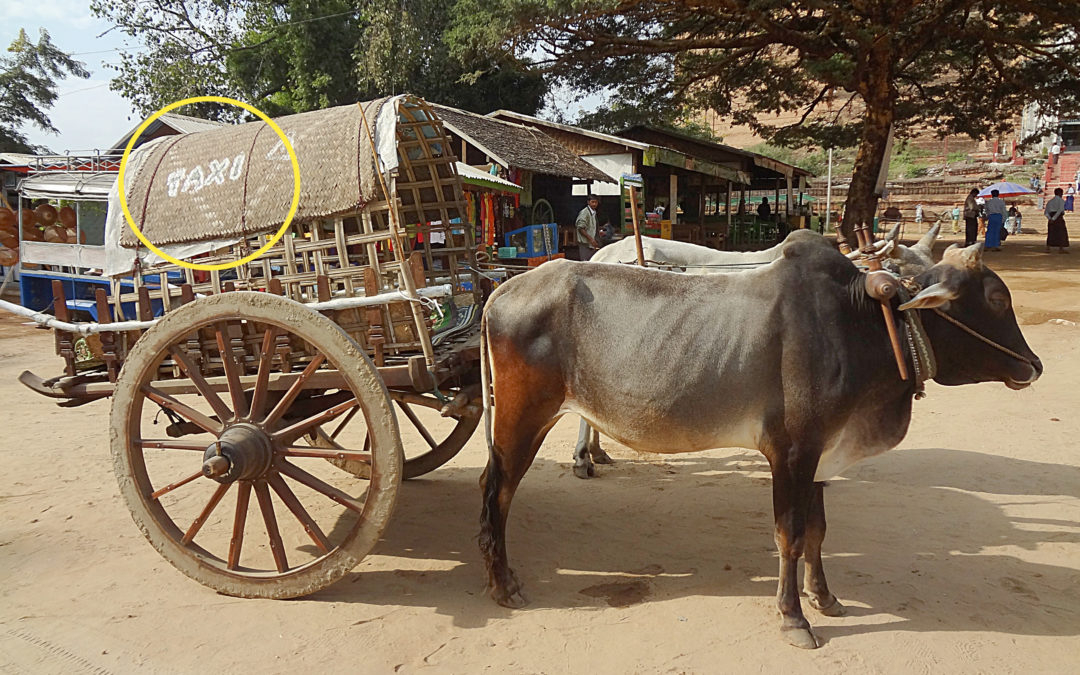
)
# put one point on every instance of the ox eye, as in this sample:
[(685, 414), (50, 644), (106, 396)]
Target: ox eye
[(999, 300)]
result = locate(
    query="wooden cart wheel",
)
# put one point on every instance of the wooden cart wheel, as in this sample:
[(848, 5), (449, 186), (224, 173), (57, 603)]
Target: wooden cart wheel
[(422, 429), (243, 376), (542, 212)]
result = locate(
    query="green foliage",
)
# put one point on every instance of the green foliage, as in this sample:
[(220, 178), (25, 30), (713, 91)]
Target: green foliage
[(286, 56), (28, 88), (847, 71), (814, 160)]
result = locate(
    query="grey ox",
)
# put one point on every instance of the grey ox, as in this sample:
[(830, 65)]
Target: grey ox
[(694, 259), (792, 359)]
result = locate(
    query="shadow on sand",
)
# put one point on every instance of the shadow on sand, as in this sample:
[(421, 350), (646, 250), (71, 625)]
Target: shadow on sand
[(694, 525)]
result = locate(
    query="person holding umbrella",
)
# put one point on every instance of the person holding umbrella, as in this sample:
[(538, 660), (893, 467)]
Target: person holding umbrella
[(995, 220)]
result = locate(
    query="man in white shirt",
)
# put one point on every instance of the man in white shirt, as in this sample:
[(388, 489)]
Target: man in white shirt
[(1056, 234), (1055, 150), (585, 227), (996, 210)]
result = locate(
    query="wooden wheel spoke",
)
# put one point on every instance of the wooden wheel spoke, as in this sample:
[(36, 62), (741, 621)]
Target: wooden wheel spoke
[(347, 455), (432, 443), (262, 377), (231, 368), (297, 429), (294, 390), (200, 520), (169, 444), (344, 422), (318, 485), (194, 416), (267, 507), (172, 486), (196, 377), (294, 505), (239, 520)]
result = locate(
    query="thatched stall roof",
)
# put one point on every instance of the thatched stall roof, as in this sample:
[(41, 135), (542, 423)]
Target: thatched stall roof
[(515, 145)]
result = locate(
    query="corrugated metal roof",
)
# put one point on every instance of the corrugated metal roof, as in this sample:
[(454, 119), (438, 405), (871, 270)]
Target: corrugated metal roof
[(86, 185), (474, 176), (181, 124)]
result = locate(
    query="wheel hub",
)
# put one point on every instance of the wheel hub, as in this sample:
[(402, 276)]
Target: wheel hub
[(242, 452)]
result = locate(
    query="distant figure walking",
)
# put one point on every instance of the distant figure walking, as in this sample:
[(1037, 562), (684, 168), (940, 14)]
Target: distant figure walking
[(1056, 234), (956, 219), (918, 216), (1055, 150), (1070, 195), (971, 218), (995, 220)]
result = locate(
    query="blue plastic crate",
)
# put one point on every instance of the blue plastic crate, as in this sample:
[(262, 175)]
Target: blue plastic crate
[(530, 241)]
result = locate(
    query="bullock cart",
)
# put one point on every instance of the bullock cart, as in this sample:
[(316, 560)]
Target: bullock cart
[(257, 412)]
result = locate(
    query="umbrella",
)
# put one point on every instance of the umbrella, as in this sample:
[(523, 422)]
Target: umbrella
[(1006, 189)]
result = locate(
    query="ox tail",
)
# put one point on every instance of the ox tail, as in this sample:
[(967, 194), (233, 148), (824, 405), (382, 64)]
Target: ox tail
[(485, 380)]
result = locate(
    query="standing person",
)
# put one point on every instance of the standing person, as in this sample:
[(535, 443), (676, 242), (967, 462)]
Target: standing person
[(763, 210), (982, 215), (1070, 195), (918, 216), (585, 229), (1056, 234), (971, 218), (1055, 150), (995, 220), (956, 219), (1014, 213)]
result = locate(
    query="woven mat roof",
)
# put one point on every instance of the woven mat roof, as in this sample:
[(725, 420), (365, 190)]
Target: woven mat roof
[(517, 145), (237, 180)]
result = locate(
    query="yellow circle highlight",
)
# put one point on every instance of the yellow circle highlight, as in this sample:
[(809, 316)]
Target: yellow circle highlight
[(228, 101)]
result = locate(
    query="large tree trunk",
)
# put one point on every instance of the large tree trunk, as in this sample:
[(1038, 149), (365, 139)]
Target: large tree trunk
[(878, 94)]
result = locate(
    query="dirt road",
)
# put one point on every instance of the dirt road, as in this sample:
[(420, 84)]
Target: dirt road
[(958, 552)]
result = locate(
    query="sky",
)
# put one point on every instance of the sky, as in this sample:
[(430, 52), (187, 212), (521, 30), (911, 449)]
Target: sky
[(88, 114)]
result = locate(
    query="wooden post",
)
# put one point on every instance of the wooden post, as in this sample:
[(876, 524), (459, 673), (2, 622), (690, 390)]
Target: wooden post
[(673, 199), (637, 227)]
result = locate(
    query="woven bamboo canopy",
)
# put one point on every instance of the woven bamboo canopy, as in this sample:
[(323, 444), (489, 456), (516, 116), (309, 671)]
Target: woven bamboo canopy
[(237, 181)]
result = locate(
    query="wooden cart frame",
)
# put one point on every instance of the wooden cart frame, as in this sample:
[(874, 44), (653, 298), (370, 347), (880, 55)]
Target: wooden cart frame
[(304, 355)]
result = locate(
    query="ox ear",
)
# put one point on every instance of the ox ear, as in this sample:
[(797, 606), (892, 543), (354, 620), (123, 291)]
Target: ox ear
[(965, 258), (932, 296)]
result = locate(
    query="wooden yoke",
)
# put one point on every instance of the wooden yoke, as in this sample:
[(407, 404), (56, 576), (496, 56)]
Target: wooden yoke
[(880, 285)]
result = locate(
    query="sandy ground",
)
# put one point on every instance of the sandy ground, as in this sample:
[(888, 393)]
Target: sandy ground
[(957, 552)]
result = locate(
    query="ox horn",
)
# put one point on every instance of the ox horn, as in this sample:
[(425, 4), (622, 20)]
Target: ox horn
[(926, 244), (894, 236), (932, 296), (965, 258)]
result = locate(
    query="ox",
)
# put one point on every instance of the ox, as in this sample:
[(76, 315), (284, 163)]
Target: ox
[(694, 259), (792, 359)]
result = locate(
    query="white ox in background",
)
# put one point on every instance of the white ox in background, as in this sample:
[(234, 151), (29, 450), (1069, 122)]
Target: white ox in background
[(694, 259)]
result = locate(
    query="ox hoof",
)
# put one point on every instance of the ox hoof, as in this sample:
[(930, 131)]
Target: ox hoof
[(509, 599), (601, 457), (833, 608), (803, 638), (584, 471)]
